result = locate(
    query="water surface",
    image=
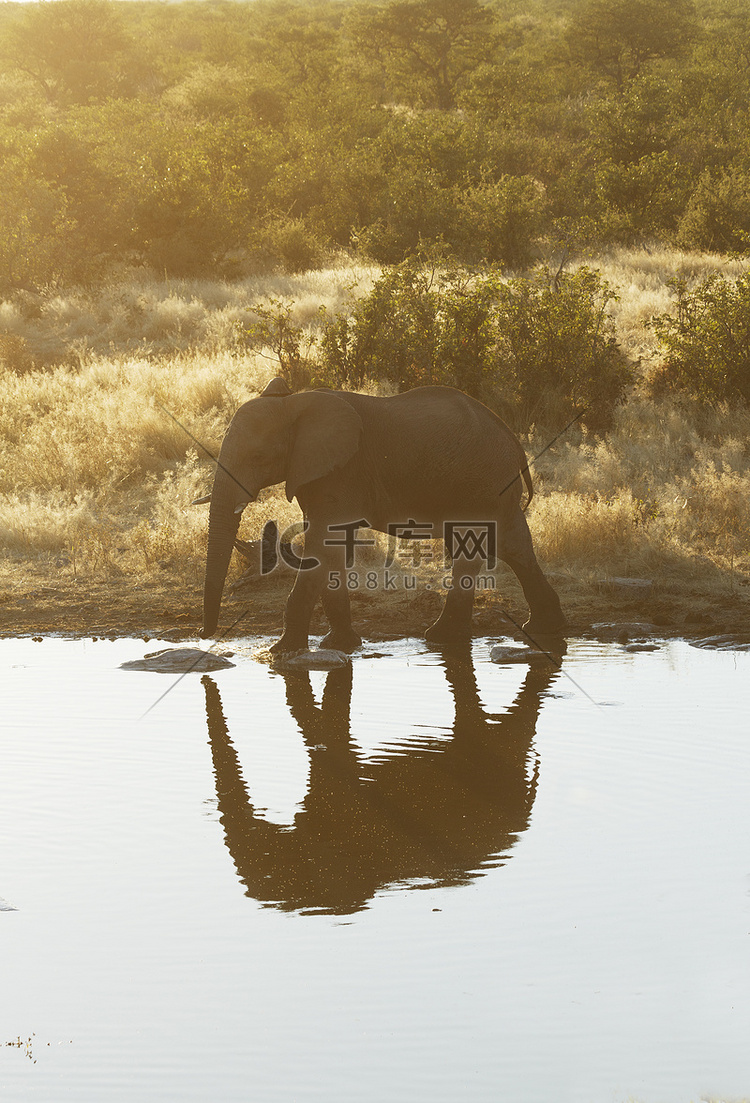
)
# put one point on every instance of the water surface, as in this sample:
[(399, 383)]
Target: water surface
[(431, 878)]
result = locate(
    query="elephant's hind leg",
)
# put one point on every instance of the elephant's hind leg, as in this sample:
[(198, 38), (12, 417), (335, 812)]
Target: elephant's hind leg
[(454, 623), (516, 549)]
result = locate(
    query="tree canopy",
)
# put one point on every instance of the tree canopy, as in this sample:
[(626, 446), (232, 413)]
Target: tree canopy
[(223, 137)]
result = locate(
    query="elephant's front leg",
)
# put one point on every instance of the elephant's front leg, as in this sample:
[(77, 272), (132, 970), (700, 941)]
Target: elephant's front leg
[(299, 609), (327, 579), (312, 576), (336, 604), (342, 636)]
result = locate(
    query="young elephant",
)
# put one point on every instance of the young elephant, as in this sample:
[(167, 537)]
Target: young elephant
[(418, 461)]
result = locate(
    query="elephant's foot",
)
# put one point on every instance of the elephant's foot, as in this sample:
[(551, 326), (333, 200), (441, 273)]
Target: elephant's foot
[(341, 639), (289, 642), (446, 632), (549, 627)]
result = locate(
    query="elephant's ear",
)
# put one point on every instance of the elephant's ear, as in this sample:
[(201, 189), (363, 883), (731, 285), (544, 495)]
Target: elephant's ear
[(326, 433)]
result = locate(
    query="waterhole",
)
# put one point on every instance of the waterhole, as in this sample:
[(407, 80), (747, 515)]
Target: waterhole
[(423, 877)]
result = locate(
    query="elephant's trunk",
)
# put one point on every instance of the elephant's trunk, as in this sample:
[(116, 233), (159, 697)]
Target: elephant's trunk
[(222, 530)]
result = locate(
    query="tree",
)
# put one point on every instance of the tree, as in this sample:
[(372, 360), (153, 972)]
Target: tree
[(299, 44), (618, 37), (74, 50), (427, 46)]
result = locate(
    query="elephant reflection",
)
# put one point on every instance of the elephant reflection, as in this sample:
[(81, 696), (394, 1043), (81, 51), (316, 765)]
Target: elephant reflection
[(439, 814)]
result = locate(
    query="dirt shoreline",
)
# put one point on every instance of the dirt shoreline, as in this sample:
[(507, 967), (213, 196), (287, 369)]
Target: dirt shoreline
[(170, 609)]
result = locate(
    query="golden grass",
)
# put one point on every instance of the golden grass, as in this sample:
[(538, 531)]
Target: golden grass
[(96, 480), (665, 496), (641, 279), (154, 318)]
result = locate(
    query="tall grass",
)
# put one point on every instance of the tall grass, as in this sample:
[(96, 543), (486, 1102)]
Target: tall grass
[(97, 470), (96, 477), (151, 318), (641, 278), (668, 490)]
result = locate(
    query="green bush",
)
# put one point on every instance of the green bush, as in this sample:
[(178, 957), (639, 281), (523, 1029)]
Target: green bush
[(557, 354), (502, 221), (718, 213), (35, 228), (390, 334), (499, 221), (289, 244), (639, 199), (707, 341), (271, 325), (541, 348)]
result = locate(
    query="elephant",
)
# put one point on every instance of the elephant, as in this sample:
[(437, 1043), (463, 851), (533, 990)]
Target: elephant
[(443, 814), (431, 459)]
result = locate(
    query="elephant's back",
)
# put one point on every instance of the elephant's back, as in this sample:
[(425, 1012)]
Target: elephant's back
[(445, 411), (437, 447)]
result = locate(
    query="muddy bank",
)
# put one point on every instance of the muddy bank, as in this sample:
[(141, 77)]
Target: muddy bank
[(168, 608)]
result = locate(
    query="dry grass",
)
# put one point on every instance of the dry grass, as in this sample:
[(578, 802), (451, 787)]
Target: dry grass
[(94, 473), (151, 318), (641, 279), (665, 496), (96, 479)]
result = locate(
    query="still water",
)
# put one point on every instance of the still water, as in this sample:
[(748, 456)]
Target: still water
[(427, 879)]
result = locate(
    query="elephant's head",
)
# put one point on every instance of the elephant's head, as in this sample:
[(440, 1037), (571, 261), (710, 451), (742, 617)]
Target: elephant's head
[(277, 437)]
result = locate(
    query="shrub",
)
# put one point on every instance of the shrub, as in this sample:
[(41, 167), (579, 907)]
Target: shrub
[(543, 348), (34, 230), (557, 352), (289, 244), (273, 327), (498, 221), (718, 213), (707, 341), (390, 334), (638, 199)]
